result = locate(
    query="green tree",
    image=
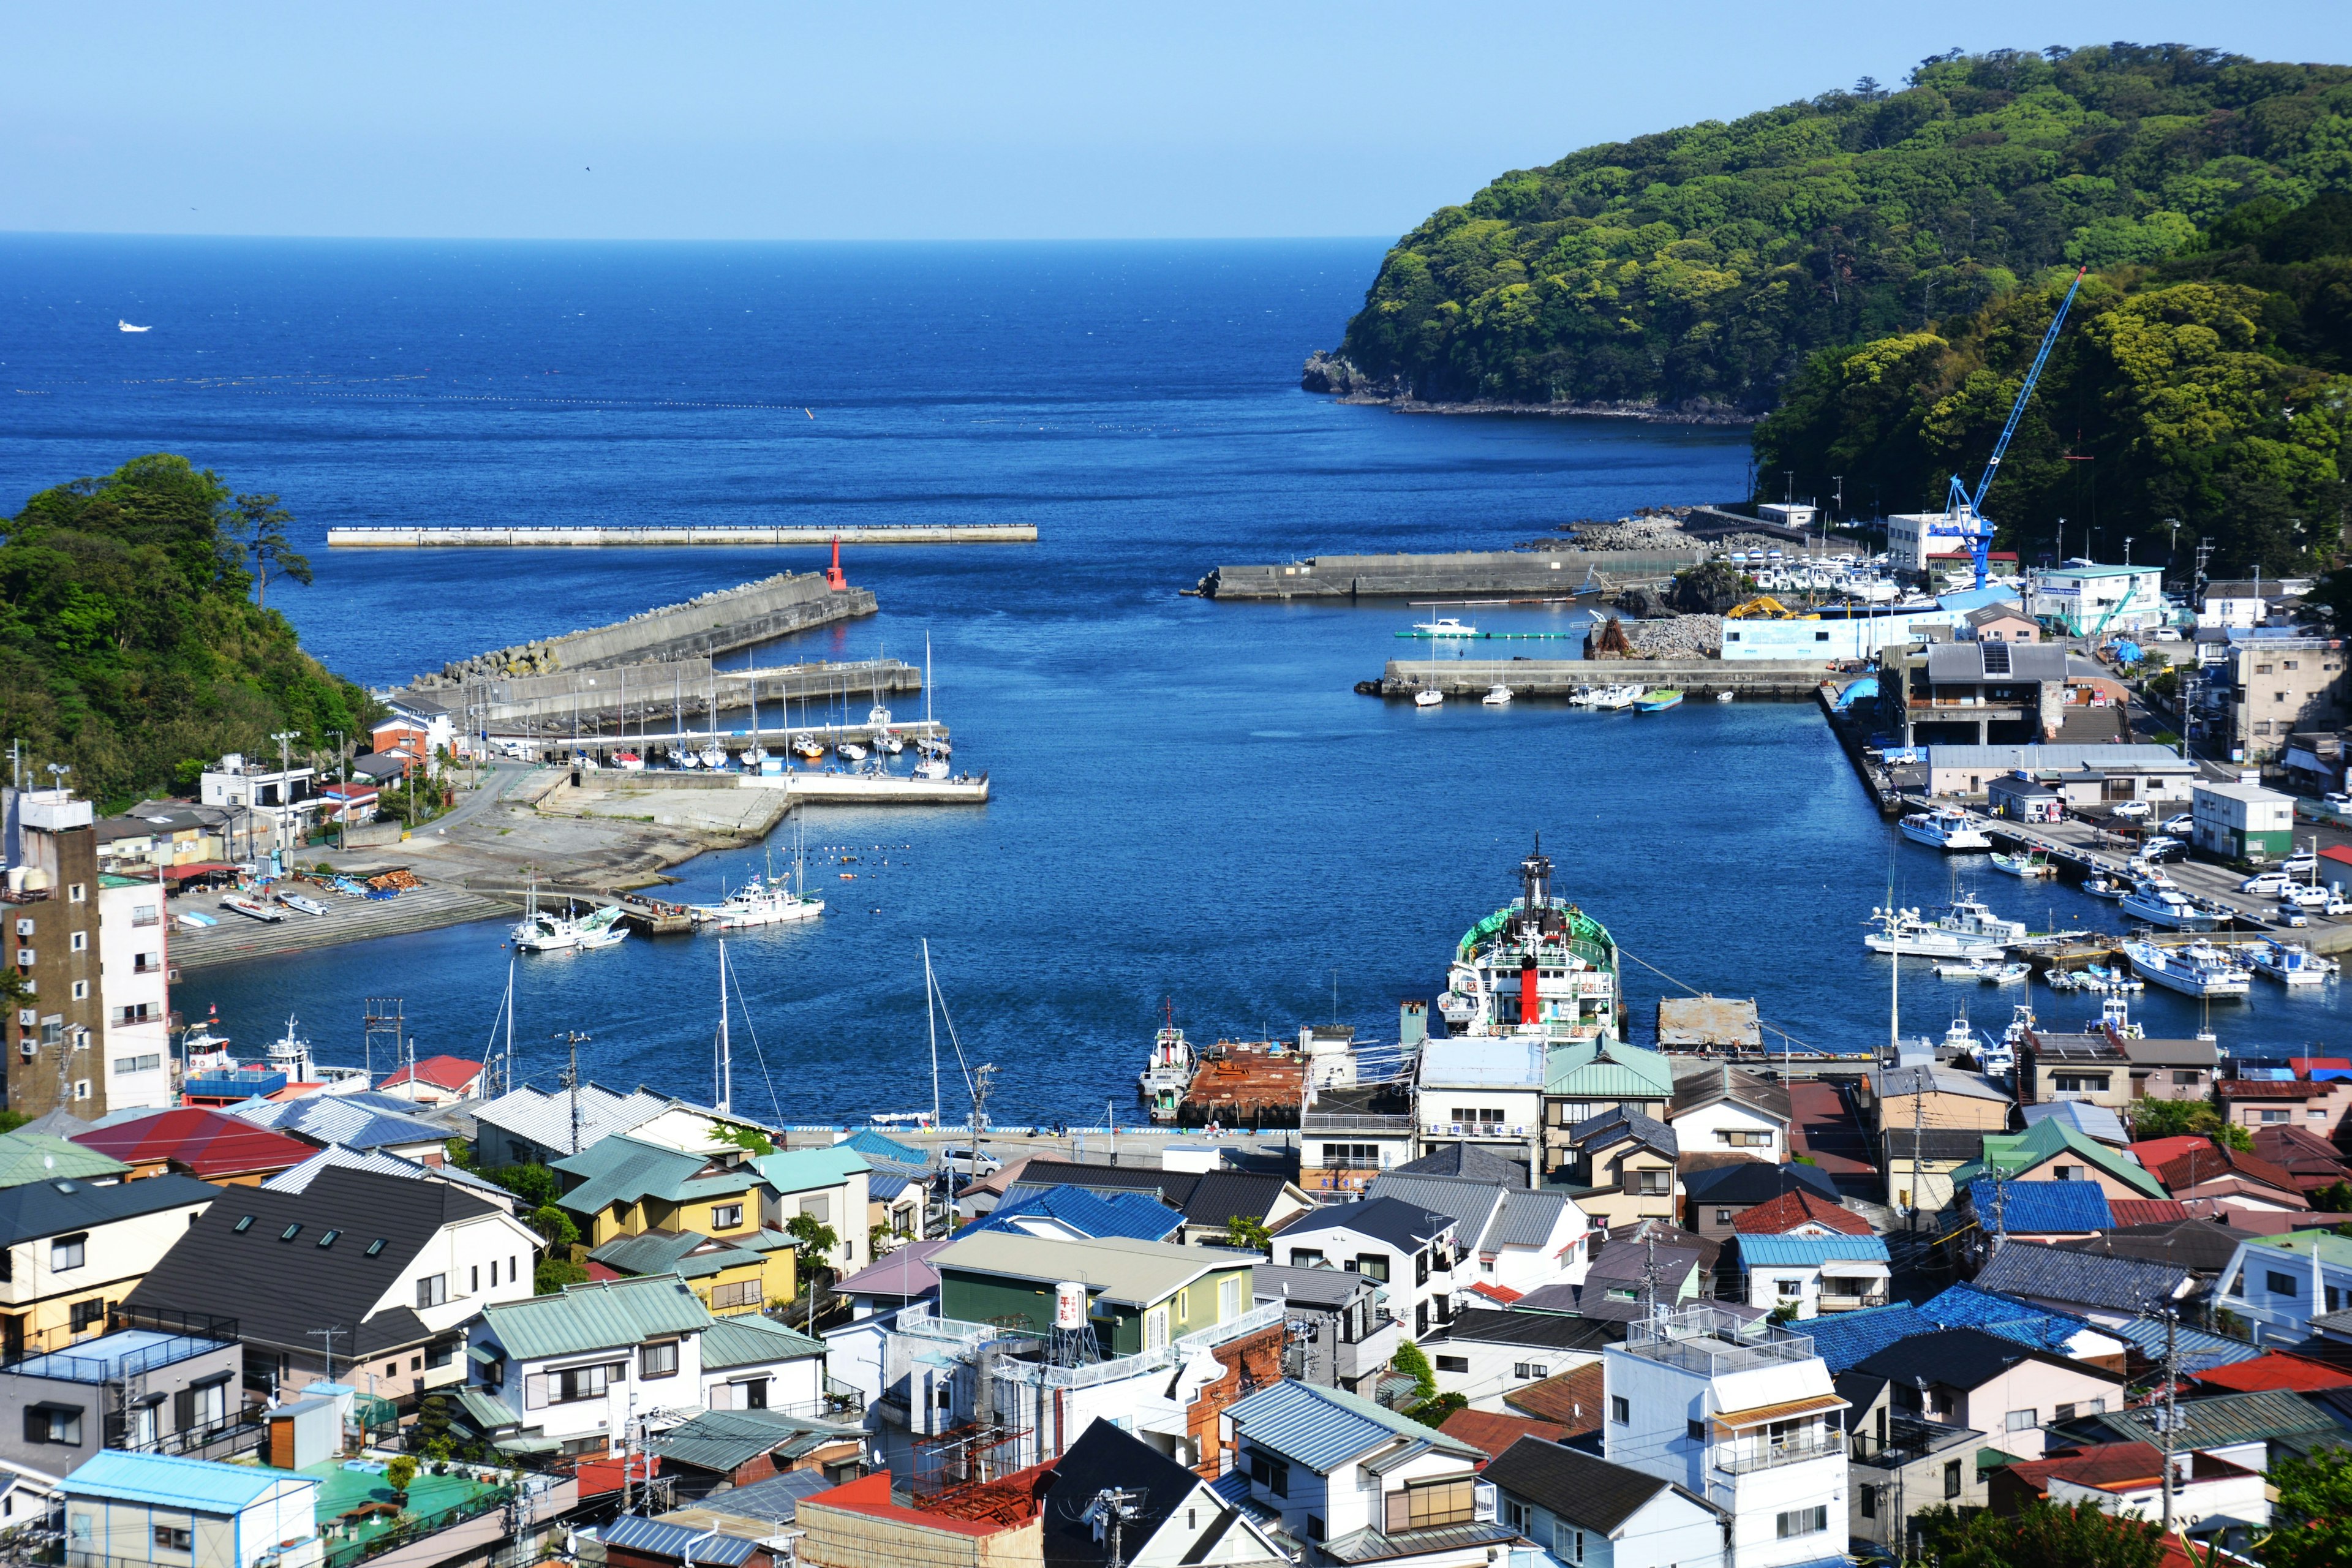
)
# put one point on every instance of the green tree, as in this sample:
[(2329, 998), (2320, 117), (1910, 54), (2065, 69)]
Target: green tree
[(2042, 1535), (1414, 1364), (551, 1275), (258, 524), (1433, 1411), (814, 1244), (535, 1185), (2310, 1527), (398, 1474), (557, 1226), (1241, 1231)]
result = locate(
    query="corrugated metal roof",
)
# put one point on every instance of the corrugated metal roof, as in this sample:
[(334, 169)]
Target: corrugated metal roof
[(2091, 1120), (1607, 1070), (489, 1413), (1136, 1215), (1483, 1061), (1473, 1205), (2040, 1205), (655, 1539), (748, 1339), (544, 1116), (328, 1119), (1369, 1546), (2056, 1274), (603, 1316), (801, 1170), (2226, 1419), (622, 1170), (334, 1157), (1527, 1219), (1783, 1251), (23, 1155), (2016, 1153), (682, 1252), (1323, 1428), (722, 1439), (2060, 755), (1115, 1268), (168, 1480)]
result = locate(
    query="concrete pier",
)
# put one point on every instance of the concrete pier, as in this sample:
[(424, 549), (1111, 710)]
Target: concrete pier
[(675, 697), (699, 534), (1754, 680), (1508, 573)]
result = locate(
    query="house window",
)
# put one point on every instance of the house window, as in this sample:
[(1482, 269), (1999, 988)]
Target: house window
[(86, 1314), (1619, 1410), (1155, 1329), (1459, 1363), (2025, 1420), (727, 1216), (2061, 1413), (1723, 1217), (2067, 1172), (1371, 1266), (431, 1290), (742, 1293), (67, 1252), (1694, 1429), (1566, 1543), (1431, 1504), (1307, 1258), (1269, 1472), (2189, 1080), (440, 1355), (2315, 1115), (475, 1288), (579, 1383), (143, 915), (53, 1424), (1532, 1370), (1229, 1299), (80, 942), (82, 990), (1802, 1522), (2281, 1284), (1519, 1517), (2274, 1116), (1737, 1139), (658, 1360), (2079, 1083), (1790, 1289), (1869, 1495), (1655, 1184), (1951, 1479), (172, 1538)]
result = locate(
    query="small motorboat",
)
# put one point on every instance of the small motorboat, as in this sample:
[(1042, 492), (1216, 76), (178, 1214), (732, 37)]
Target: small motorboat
[(806, 748), (1723, 697), (1428, 697), (1659, 700), (1443, 627), (2033, 863), (191, 921), (628, 762), (2105, 887), (1498, 697), (2289, 963), (122, 326), (297, 901), (252, 909)]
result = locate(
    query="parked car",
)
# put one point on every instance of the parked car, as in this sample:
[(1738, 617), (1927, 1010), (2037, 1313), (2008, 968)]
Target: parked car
[(2180, 826), (2304, 896), (2338, 799), (969, 1162), (2128, 808), (2266, 882), (2301, 863), (2161, 850)]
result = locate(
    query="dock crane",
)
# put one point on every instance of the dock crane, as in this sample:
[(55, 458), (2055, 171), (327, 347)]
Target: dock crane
[(1974, 526)]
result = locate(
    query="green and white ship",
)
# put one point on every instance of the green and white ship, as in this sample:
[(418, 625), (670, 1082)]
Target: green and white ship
[(1539, 966)]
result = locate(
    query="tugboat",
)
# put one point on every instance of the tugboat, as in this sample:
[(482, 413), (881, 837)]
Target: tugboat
[(1168, 1074), (1537, 966)]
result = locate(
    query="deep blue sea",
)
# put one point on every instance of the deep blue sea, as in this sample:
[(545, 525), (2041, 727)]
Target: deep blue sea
[(1192, 804)]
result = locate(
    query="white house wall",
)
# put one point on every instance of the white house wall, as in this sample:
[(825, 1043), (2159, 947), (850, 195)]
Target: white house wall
[(1696, 1131), (1494, 1370), (123, 944)]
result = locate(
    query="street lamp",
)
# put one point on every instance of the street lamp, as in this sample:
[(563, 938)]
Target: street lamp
[(285, 739)]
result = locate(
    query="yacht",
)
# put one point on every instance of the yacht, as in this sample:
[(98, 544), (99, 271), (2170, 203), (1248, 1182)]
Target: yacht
[(1945, 828), (1498, 697), (540, 932), (2160, 903), (849, 750), (628, 762), (1907, 933), (1428, 697), (807, 748), (1616, 698), (680, 757), (2200, 969), (2290, 963), (713, 756), (756, 903), (934, 769)]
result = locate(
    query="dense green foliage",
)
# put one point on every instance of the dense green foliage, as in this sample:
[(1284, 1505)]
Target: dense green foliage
[(1704, 265), (130, 648), (2042, 1535), (2312, 1525)]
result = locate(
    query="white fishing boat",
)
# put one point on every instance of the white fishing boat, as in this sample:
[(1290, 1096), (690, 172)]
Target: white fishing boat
[(758, 902), (2290, 963), (1168, 1074), (542, 931), (1941, 828), (1428, 697), (252, 909), (1616, 698), (1986, 971), (2199, 970), (2160, 903), (1443, 626), (1970, 918), (2105, 887), (1723, 697), (2032, 863), (1907, 933)]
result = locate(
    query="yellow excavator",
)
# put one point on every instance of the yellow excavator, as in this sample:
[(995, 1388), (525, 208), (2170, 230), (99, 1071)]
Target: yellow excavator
[(1764, 605)]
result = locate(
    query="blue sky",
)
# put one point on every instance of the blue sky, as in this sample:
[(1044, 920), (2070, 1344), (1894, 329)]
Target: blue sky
[(920, 122)]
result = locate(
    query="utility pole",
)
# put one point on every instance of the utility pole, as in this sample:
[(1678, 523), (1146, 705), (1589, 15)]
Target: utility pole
[(983, 1082), (1114, 1505), (329, 1335), (574, 1039), (285, 739), (2170, 1416), (1918, 1126)]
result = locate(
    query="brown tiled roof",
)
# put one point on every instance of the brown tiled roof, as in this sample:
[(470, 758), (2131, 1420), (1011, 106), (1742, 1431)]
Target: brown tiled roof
[(1490, 1434), (1791, 1210), (2114, 1467), (2212, 1164), (1572, 1400), (2268, 1088)]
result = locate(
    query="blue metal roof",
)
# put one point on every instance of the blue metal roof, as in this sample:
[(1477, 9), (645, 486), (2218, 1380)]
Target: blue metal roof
[(1137, 1215), (1966, 1307), (1781, 1251), (2200, 1352), (1847, 1339), (168, 1480), (1323, 1428), (2042, 1206), (655, 1539), (874, 1146)]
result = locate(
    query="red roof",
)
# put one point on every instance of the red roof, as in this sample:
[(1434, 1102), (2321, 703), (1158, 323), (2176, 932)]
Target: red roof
[(2268, 1088), (870, 1496), (2146, 1211), (1502, 1293), (1491, 1434), (1799, 1208), (2273, 1370), (1570, 1399), (206, 1143), (452, 1073), (2212, 1164), (2112, 1467), (2337, 852), (2155, 1153), (2306, 1065)]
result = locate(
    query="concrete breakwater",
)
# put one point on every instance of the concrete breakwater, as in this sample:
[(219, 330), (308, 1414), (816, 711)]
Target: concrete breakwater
[(1558, 573), (1776, 680), (674, 695), (710, 623), (699, 534)]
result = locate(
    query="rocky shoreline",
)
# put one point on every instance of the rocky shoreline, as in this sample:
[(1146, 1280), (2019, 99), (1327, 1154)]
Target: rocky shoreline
[(1336, 377)]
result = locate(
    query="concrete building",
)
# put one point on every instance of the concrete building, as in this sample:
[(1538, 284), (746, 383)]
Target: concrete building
[(1745, 1419), (152, 1383), (1340, 1335), (134, 992), (2084, 600), (1513, 1239), (2082, 776), (1903, 1462), (1407, 1249), (1486, 1356), (285, 798), (2270, 684), (1484, 1089), (1915, 538), (69, 1247), (51, 904), (2243, 821), (1349, 1133), (165, 1510)]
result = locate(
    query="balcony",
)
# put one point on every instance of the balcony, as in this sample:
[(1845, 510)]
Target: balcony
[(1741, 1458), (1494, 1129), (1711, 1342), (1908, 1438), (842, 1402), (1397, 1125)]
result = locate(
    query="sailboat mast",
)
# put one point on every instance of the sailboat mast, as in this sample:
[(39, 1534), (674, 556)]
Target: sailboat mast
[(931, 1009), (726, 1074)]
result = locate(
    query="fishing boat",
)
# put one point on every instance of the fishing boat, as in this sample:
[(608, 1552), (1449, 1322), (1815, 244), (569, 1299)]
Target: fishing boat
[(540, 930), (2200, 969), (2033, 863), (1907, 933), (2160, 903), (2103, 886), (307, 906), (252, 909), (1166, 1075), (2289, 963), (1659, 700), (1498, 697), (1428, 697), (1539, 968), (758, 902), (1942, 827), (1616, 698), (1983, 970), (1970, 918), (1443, 626)]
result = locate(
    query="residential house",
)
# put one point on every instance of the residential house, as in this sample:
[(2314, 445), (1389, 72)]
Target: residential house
[(1625, 1274), (2000, 623), (1934, 1098), (1815, 1274), (1969, 1378), (2128, 1479), (1488, 1089), (349, 805), (2095, 1122), (1742, 1416), (1348, 1133), (727, 1279), (1585, 1510), (2255, 1430), (1486, 1356), (285, 798), (30, 1155), (860, 1524), (1470, 1163), (1209, 1200), (2312, 1161), (898, 1183), (1413, 1252), (356, 1121), (1801, 1212), (1512, 1238), (435, 1080), (400, 1266), (1169, 1516), (1919, 1165), (828, 1186), (69, 1247), (2280, 1283), (2054, 1152), (1850, 1339), (137, 1042), (633, 1541), (2234, 1178), (1718, 1195), (1340, 1331), (2315, 1105), (2053, 1067), (1076, 1214), (529, 1126), (2171, 1069), (1903, 1461), (899, 1278), (622, 1187), (1569, 1400), (572, 1370), (1621, 1166), (1139, 1295), (1584, 1078), (739, 1447), (52, 908), (2203, 1246), (333, 1157), (1721, 1108), (2108, 1291), (2037, 1211), (1359, 1483), (149, 1382), (165, 1509), (210, 1145)]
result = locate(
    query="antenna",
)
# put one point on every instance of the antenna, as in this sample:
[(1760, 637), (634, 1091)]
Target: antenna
[(1113, 1506), (329, 1335)]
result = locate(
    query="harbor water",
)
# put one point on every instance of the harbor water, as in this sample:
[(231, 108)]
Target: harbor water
[(1191, 807)]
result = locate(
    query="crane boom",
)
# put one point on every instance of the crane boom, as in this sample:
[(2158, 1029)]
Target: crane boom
[(1969, 508)]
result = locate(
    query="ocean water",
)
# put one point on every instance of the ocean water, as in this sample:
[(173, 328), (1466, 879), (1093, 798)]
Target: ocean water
[(1193, 812)]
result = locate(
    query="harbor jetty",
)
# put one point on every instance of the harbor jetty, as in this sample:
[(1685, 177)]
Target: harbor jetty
[(1505, 574), (642, 534), (1752, 678), (659, 701)]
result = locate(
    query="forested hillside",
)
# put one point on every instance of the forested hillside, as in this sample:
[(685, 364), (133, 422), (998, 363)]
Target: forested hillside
[(132, 647), (1700, 267)]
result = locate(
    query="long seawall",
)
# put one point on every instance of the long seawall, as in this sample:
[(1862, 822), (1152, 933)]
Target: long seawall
[(458, 535)]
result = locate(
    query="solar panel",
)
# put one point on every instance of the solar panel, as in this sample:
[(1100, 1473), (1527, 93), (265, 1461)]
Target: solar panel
[(1996, 657)]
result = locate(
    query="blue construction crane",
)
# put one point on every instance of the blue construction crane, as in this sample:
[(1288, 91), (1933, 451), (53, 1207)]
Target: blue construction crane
[(1969, 507)]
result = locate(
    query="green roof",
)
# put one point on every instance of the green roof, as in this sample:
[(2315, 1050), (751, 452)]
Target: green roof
[(603, 1316), (751, 1340), (622, 1170), (1603, 1069), (2333, 1248), (2012, 1154), (29, 1157), (683, 1253), (799, 1170), (488, 1412), (726, 1439)]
